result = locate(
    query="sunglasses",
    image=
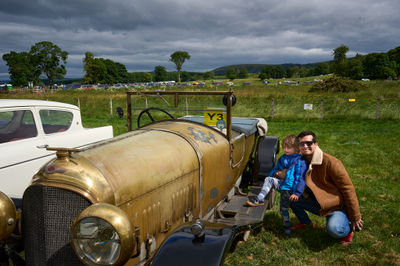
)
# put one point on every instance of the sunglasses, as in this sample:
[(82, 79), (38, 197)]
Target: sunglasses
[(306, 143)]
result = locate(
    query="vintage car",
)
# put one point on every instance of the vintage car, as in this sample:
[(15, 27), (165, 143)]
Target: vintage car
[(27, 128), (167, 193)]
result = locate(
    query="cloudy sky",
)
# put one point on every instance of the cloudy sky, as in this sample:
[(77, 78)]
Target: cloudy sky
[(142, 34)]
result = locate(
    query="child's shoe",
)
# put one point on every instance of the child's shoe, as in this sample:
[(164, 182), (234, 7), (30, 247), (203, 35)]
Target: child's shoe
[(347, 239), (299, 226), (287, 231), (254, 202)]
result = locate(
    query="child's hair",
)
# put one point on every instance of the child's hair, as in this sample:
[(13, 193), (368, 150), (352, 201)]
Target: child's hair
[(291, 141)]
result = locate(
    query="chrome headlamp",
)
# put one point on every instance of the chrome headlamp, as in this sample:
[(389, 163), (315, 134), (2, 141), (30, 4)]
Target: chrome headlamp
[(8, 216), (102, 235)]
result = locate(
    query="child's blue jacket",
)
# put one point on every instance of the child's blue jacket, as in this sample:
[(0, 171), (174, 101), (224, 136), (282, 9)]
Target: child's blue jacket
[(295, 176)]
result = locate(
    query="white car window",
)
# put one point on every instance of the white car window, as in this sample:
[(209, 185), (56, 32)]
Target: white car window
[(17, 125), (55, 121)]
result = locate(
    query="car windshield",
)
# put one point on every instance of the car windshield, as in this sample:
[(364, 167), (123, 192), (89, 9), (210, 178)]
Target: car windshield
[(17, 125)]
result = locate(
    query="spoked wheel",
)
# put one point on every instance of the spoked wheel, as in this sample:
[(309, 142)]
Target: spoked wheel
[(148, 112)]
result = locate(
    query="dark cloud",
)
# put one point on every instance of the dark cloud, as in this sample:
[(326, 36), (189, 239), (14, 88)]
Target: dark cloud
[(143, 33)]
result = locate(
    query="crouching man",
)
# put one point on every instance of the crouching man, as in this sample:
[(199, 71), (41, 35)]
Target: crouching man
[(329, 192)]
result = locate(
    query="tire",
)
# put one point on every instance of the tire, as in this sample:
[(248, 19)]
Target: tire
[(267, 150)]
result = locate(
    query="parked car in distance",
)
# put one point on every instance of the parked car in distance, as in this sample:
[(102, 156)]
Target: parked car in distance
[(27, 128)]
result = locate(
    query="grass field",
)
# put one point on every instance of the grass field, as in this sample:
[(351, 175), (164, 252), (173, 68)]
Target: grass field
[(369, 149)]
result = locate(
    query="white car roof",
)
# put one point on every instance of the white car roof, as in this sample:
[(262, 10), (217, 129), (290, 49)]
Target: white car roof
[(34, 103)]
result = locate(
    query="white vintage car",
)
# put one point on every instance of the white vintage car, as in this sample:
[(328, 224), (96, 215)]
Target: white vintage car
[(27, 128)]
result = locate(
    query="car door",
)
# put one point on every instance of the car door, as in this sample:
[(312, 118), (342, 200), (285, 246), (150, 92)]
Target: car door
[(22, 149), (57, 124), (62, 128)]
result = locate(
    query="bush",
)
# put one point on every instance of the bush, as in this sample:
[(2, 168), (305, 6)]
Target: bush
[(336, 84)]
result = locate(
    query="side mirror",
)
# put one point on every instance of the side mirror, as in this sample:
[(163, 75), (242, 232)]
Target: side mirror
[(120, 112)]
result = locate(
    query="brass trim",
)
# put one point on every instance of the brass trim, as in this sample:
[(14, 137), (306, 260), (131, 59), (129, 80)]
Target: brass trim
[(119, 220), (8, 216), (78, 174)]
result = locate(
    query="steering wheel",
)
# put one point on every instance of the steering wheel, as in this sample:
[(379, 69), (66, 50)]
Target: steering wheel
[(147, 111)]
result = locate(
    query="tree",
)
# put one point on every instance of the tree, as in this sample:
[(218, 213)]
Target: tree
[(186, 76), (99, 70), (243, 73), (208, 75), (160, 74), (304, 72), (322, 69), (179, 58), (262, 75), (21, 69), (147, 77), (279, 72), (355, 68), (48, 58), (339, 54), (394, 55), (379, 66), (231, 73), (293, 72), (96, 70), (339, 60)]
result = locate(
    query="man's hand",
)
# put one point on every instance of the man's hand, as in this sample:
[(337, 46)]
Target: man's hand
[(357, 225), (281, 174), (294, 198)]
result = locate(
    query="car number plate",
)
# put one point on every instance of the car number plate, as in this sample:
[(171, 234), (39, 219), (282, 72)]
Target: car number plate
[(215, 117)]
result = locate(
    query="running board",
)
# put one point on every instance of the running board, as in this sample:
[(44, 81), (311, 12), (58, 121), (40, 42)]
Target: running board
[(236, 212)]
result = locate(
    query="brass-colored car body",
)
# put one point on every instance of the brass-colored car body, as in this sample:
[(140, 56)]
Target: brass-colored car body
[(156, 196), (156, 180)]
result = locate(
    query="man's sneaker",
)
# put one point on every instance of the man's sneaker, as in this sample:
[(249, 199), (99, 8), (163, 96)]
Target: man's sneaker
[(347, 239), (254, 202), (299, 226)]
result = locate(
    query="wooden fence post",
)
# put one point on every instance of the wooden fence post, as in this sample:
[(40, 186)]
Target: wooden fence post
[(322, 108), (378, 108), (272, 110), (111, 107), (186, 106)]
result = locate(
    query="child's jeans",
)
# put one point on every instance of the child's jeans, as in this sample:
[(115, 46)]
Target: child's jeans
[(284, 208), (275, 183), (269, 183)]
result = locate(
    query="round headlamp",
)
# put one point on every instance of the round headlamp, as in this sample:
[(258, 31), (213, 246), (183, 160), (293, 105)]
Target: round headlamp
[(102, 235), (8, 216)]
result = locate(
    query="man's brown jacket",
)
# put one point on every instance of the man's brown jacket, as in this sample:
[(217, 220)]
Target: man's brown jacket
[(329, 181)]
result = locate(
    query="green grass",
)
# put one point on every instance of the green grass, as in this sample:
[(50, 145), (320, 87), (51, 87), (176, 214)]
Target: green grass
[(369, 151), (368, 148)]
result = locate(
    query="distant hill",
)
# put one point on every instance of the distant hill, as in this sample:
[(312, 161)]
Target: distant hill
[(256, 68)]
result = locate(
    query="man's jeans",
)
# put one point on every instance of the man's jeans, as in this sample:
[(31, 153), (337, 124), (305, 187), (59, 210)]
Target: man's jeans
[(337, 223)]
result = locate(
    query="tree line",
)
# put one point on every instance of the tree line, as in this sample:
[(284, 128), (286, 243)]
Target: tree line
[(46, 58), (372, 66)]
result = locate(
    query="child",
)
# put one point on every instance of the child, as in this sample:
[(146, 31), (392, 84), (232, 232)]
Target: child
[(287, 177)]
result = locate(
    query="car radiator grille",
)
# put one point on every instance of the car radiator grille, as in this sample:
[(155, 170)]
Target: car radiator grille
[(47, 217)]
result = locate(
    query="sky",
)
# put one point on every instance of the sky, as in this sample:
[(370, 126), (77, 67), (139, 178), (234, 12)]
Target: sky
[(142, 34)]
